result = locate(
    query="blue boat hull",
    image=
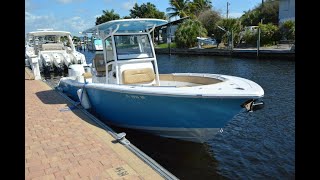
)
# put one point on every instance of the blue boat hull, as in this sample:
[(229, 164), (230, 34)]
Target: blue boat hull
[(70, 90), (193, 119)]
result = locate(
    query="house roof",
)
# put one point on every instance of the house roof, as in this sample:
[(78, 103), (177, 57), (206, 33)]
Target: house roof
[(174, 22)]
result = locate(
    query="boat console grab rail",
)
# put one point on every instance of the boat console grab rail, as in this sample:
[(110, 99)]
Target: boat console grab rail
[(135, 61), (118, 62)]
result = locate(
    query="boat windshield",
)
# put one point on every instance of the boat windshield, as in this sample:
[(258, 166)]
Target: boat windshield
[(45, 39), (133, 47)]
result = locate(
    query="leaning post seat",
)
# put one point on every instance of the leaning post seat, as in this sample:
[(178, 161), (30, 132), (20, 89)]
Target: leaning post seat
[(87, 75), (138, 76), (99, 65)]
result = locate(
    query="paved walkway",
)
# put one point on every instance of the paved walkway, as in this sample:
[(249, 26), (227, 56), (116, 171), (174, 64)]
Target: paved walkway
[(67, 145), (28, 74)]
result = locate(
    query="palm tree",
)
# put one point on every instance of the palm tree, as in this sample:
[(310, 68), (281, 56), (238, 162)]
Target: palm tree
[(107, 16), (203, 4), (198, 6), (178, 8)]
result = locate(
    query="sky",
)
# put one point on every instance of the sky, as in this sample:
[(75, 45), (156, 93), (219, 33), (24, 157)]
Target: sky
[(78, 15)]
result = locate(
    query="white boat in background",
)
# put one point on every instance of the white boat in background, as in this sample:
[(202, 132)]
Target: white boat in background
[(203, 40), (51, 50), (125, 88), (94, 44)]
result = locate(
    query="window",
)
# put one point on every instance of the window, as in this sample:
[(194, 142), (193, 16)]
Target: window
[(133, 47), (109, 49)]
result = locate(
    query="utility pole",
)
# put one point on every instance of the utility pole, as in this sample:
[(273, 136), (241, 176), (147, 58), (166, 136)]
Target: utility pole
[(169, 38), (227, 9)]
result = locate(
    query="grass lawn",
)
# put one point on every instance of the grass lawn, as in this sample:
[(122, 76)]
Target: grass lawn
[(173, 45), (165, 45)]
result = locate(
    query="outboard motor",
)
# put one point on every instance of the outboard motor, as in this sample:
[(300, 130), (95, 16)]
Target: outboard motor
[(58, 63), (47, 64), (57, 59), (46, 60), (67, 59)]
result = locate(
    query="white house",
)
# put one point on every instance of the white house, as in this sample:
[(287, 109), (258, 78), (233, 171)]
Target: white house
[(169, 29), (286, 10)]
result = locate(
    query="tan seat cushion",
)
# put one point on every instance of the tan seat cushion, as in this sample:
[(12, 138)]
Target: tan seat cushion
[(87, 75), (133, 76), (52, 46)]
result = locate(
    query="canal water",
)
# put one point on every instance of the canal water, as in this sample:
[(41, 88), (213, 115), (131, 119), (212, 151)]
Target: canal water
[(257, 145)]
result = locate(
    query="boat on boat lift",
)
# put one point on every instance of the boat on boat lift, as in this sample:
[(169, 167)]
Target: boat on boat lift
[(94, 44)]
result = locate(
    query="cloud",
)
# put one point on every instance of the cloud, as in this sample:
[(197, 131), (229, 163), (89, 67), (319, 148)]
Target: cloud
[(34, 22), (128, 5), (78, 24), (74, 24)]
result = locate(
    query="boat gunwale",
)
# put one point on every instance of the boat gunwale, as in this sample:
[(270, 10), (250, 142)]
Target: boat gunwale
[(167, 90)]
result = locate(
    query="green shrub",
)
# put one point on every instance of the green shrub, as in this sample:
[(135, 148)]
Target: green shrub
[(287, 30), (187, 33), (250, 37), (269, 34)]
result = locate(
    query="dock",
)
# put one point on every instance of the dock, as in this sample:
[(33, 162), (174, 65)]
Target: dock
[(63, 142), (236, 52)]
